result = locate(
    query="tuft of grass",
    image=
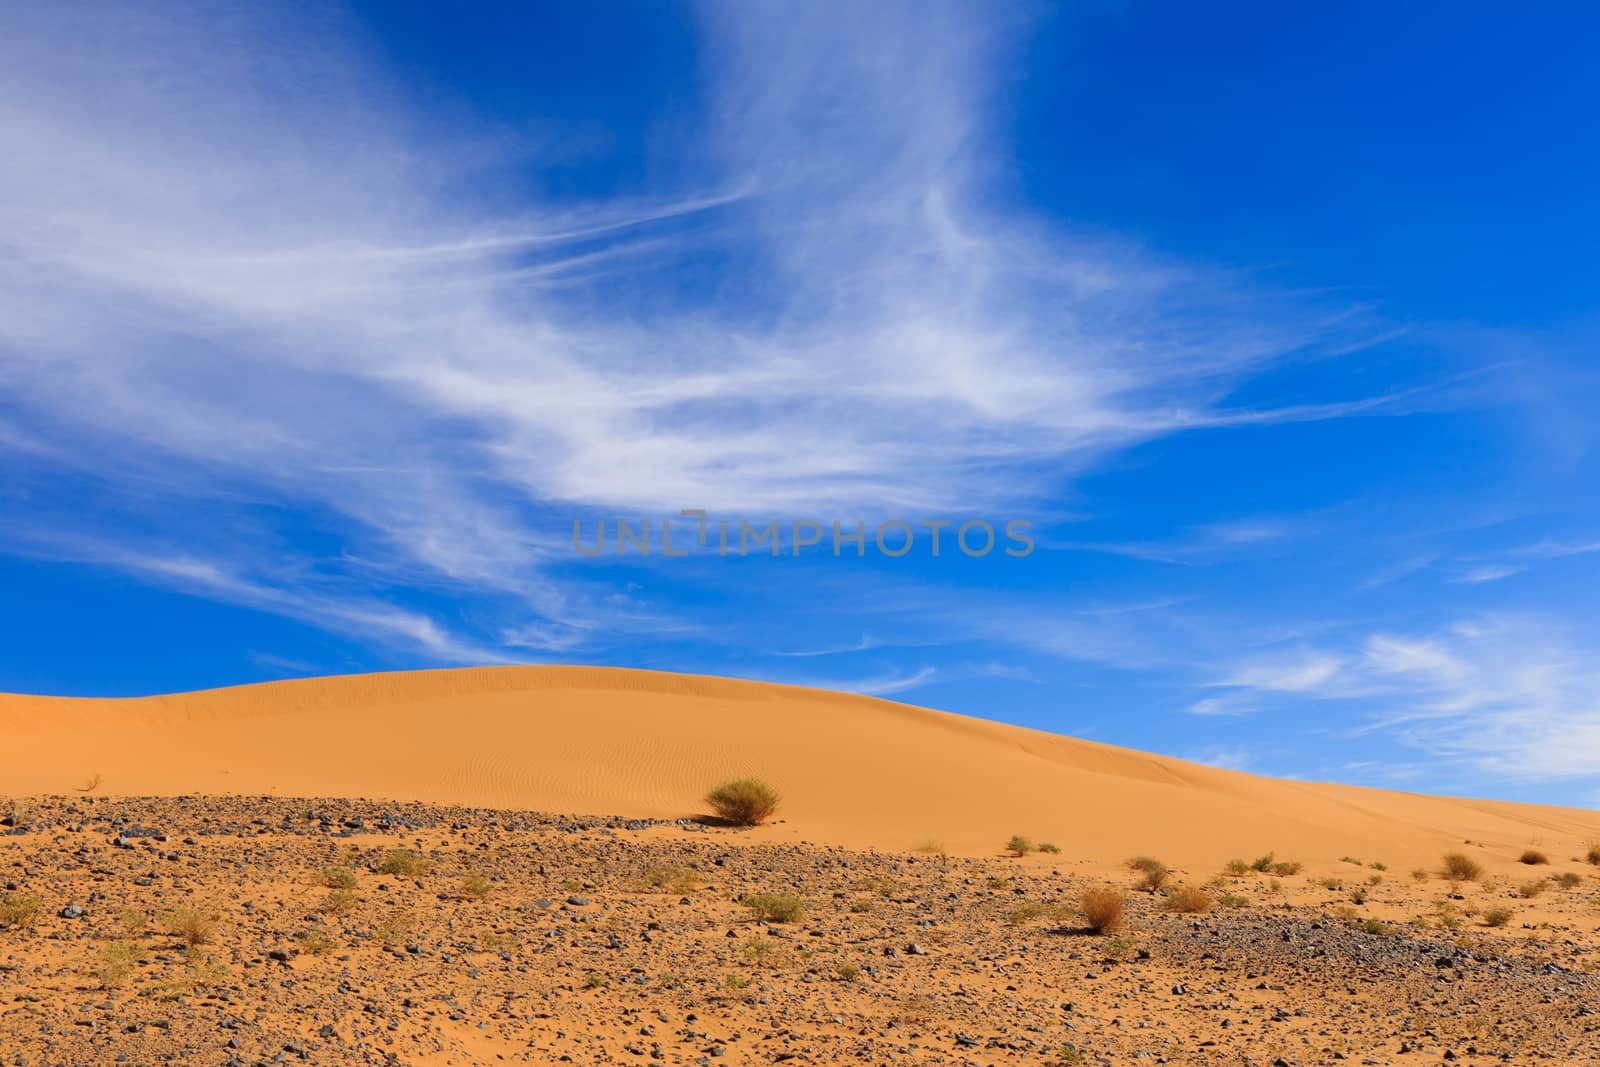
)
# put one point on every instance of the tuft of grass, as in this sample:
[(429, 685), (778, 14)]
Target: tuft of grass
[(1419, 874), (316, 942), (1529, 890), (759, 950), (675, 880), (115, 961), (1024, 914), (775, 907), (1286, 867), (1102, 909), (1153, 873), (476, 886), (930, 846), (340, 901), (1263, 863), (1568, 879), (192, 927), (1533, 857), (1237, 867), (1048, 847), (1459, 867), (861, 907), (847, 972), (1497, 916), (404, 862), (1233, 900), (339, 878), (1592, 856), (743, 801), (1019, 845), (1188, 900), (596, 980), (18, 911)]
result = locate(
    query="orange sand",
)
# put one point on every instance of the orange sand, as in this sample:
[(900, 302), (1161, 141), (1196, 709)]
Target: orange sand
[(853, 770)]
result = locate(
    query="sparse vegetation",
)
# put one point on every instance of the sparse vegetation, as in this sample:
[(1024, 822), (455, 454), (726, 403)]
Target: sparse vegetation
[(743, 801), (596, 980), (1102, 909), (115, 961), (775, 907), (1497, 916), (1592, 855), (316, 942), (1459, 867), (679, 881), (1237, 867), (1153, 873), (1568, 879), (1019, 845), (1050, 848), (1263, 863), (1419, 874), (1529, 890), (404, 862), (1533, 857), (847, 972), (930, 846), (193, 928), (1284, 868), (18, 911), (339, 878), (340, 901), (476, 886), (1188, 900)]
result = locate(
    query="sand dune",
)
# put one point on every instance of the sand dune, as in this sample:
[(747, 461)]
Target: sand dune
[(853, 770)]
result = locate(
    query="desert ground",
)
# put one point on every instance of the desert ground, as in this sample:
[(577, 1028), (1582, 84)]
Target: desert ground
[(519, 865)]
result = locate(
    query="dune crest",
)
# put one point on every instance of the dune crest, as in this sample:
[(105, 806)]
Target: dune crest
[(853, 770)]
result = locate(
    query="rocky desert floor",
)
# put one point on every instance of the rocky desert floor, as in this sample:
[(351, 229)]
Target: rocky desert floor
[(234, 931)]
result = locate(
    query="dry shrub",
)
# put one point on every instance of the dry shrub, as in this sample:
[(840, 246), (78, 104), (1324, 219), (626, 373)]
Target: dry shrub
[(1051, 848), (1237, 867), (1188, 899), (1459, 867), (1102, 909), (1019, 845), (1569, 879), (1529, 890), (189, 926), (403, 861), (1497, 916), (338, 878), (743, 801), (775, 907), (19, 910), (671, 879), (115, 961), (1533, 857), (1286, 867), (1592, 856), (1153, 873), (476, 886), (931, 846)]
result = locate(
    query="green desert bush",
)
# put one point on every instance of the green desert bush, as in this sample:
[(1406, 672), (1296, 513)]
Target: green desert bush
[(1102, 909), (1263, 863), (743, 801), (1237, 867), (1050, 848), (775, 907), (1019, 845)]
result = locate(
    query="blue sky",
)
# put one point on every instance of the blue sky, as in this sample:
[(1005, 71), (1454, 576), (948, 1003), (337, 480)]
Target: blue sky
[(319, 329)]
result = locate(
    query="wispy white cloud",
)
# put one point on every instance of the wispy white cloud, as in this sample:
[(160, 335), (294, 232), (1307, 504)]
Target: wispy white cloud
[(1514, 695)]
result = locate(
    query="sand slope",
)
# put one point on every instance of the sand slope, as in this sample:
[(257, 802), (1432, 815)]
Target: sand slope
[(853, 770)]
